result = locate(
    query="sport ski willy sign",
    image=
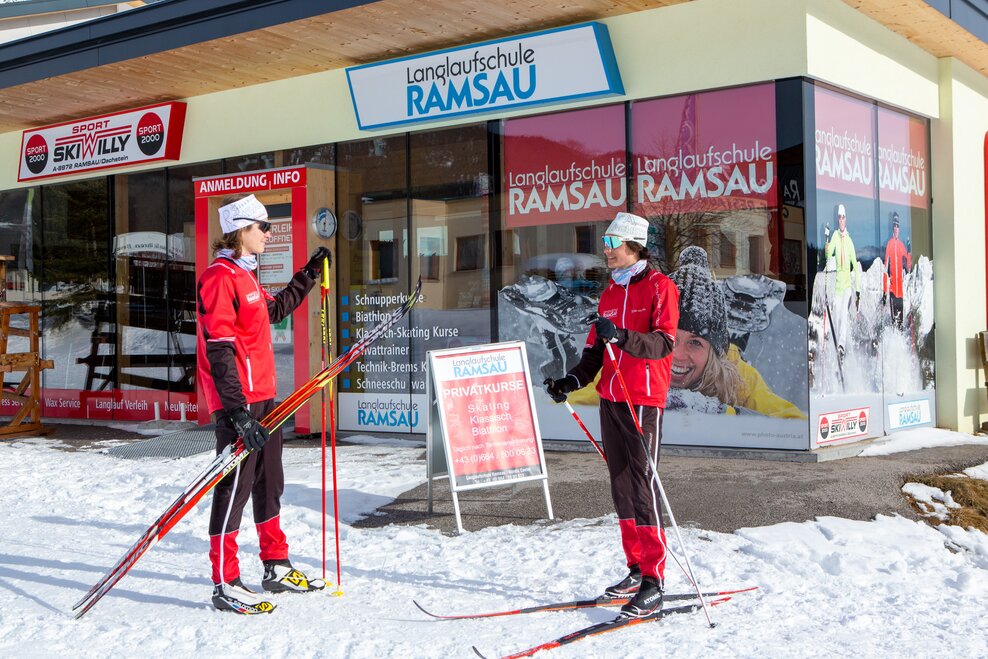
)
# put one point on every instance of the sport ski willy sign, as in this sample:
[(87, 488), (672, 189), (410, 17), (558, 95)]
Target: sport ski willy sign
[(110, 140), (481, 397), (543, 67)]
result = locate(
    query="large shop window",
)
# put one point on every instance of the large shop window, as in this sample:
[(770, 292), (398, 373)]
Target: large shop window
[(73, 243), (564, 178), (706, 176), (410, 206), (871, 318)]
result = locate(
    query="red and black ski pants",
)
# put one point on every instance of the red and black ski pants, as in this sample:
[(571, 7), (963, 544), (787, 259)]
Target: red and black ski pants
[(261, 478), (635, 492)]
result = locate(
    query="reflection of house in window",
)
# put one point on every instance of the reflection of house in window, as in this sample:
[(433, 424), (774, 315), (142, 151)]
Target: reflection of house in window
[(726, 250), (384, 262), (469, 253), (430, 249), (585, 240), (508, 246)]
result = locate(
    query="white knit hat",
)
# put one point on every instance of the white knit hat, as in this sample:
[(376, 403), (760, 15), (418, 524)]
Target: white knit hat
[(629, 228), (242, 213)]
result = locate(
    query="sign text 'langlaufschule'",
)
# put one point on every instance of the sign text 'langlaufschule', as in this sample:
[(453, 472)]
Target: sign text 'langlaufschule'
[(550, 66)]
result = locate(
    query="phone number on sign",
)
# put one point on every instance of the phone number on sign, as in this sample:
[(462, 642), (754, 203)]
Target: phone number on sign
[(487, 457)]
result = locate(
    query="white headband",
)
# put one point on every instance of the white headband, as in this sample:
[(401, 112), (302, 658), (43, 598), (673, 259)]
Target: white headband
[(242, 213)]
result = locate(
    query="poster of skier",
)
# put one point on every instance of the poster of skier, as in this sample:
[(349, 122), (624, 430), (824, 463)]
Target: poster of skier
[(871, 312)]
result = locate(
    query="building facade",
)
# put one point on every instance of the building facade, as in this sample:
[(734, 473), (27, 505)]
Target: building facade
[(826, 157)]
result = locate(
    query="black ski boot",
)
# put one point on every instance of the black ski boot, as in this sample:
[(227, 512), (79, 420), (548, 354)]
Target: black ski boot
[(235, 596), (627, 586), (647, 601), (281, 577)]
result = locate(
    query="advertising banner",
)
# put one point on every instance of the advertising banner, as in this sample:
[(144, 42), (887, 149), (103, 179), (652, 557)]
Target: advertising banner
[(111, 140), (871, 312), (705, 152), (845, 144), (844, 425), (565, 167), (903, 170), (271, 179), (551, 66), (488, 418)]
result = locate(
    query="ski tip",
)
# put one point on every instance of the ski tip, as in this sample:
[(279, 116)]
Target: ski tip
[(423, 610), (478, 652)]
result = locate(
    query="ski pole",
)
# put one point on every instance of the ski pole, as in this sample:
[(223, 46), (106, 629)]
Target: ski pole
[(658, 481), (332, 433), (322, 364), (579, 421)]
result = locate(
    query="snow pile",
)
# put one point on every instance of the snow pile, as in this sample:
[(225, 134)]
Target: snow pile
[(917, 438)]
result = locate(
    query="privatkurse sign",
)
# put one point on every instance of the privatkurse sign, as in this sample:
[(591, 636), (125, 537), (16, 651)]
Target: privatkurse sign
[(110, 140), (551, 66)]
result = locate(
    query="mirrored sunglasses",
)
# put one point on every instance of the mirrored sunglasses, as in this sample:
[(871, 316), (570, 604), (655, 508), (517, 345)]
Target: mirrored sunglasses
[(612, 242)]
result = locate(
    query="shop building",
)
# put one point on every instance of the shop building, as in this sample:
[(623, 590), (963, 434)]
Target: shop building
[(827, 157)]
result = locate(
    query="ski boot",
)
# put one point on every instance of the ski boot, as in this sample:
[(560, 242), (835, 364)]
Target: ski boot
[(281, 577), (647, 601), (235, 596), (627, 586)]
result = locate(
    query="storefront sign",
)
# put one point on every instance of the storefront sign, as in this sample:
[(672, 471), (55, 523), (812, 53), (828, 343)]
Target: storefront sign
[(845, 144), (381, 412), (565, 167), (902, 164), (912, 413), (705, 152), (551, 66), (837, 426), (111, 140), (488, 419), (272, 179)]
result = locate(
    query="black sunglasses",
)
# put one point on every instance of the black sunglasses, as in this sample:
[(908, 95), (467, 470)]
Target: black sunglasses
[(264, 225)]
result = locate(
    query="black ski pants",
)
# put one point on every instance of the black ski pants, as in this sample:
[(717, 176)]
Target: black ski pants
[(635, 494), (261, 478)]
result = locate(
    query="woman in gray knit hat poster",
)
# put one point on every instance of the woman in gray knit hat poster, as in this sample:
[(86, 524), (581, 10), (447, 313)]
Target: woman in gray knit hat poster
[(637, 317), (704, 359)]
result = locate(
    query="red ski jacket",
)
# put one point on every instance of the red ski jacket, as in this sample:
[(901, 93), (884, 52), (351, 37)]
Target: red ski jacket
[(235, 353), (897, 260), (646, 313)]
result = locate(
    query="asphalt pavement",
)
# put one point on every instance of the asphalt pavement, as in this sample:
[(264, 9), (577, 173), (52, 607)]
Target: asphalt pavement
[(714, 493)]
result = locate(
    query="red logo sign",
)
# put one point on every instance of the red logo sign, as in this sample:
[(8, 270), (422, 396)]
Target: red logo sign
[(112, 140)]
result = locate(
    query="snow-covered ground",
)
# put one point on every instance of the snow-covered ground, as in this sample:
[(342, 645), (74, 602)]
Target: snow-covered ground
[(828, 587)]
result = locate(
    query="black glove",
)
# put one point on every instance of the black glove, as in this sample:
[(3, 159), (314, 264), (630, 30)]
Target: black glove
[(557, 389), (314, 266), (884, 298), (857, 299), (606, 330), (253, 434)]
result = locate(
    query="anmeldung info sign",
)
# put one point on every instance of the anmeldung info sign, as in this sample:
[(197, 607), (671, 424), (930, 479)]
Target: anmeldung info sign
[(543, 67), (482, 398)]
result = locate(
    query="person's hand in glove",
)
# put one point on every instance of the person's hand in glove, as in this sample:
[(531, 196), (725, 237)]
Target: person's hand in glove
[(249, 429), (857, 299), (885, 297), (314, 266), (557, 389), (606, 330)]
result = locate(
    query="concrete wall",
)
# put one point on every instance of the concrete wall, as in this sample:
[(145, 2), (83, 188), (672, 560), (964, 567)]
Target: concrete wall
[(958, 184)]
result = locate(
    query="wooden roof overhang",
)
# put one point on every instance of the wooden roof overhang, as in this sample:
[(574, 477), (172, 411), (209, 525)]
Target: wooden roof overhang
[(179, 49)]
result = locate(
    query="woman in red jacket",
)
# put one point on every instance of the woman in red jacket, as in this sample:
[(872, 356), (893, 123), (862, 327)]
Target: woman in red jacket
[(639, 314), (237, 375)]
